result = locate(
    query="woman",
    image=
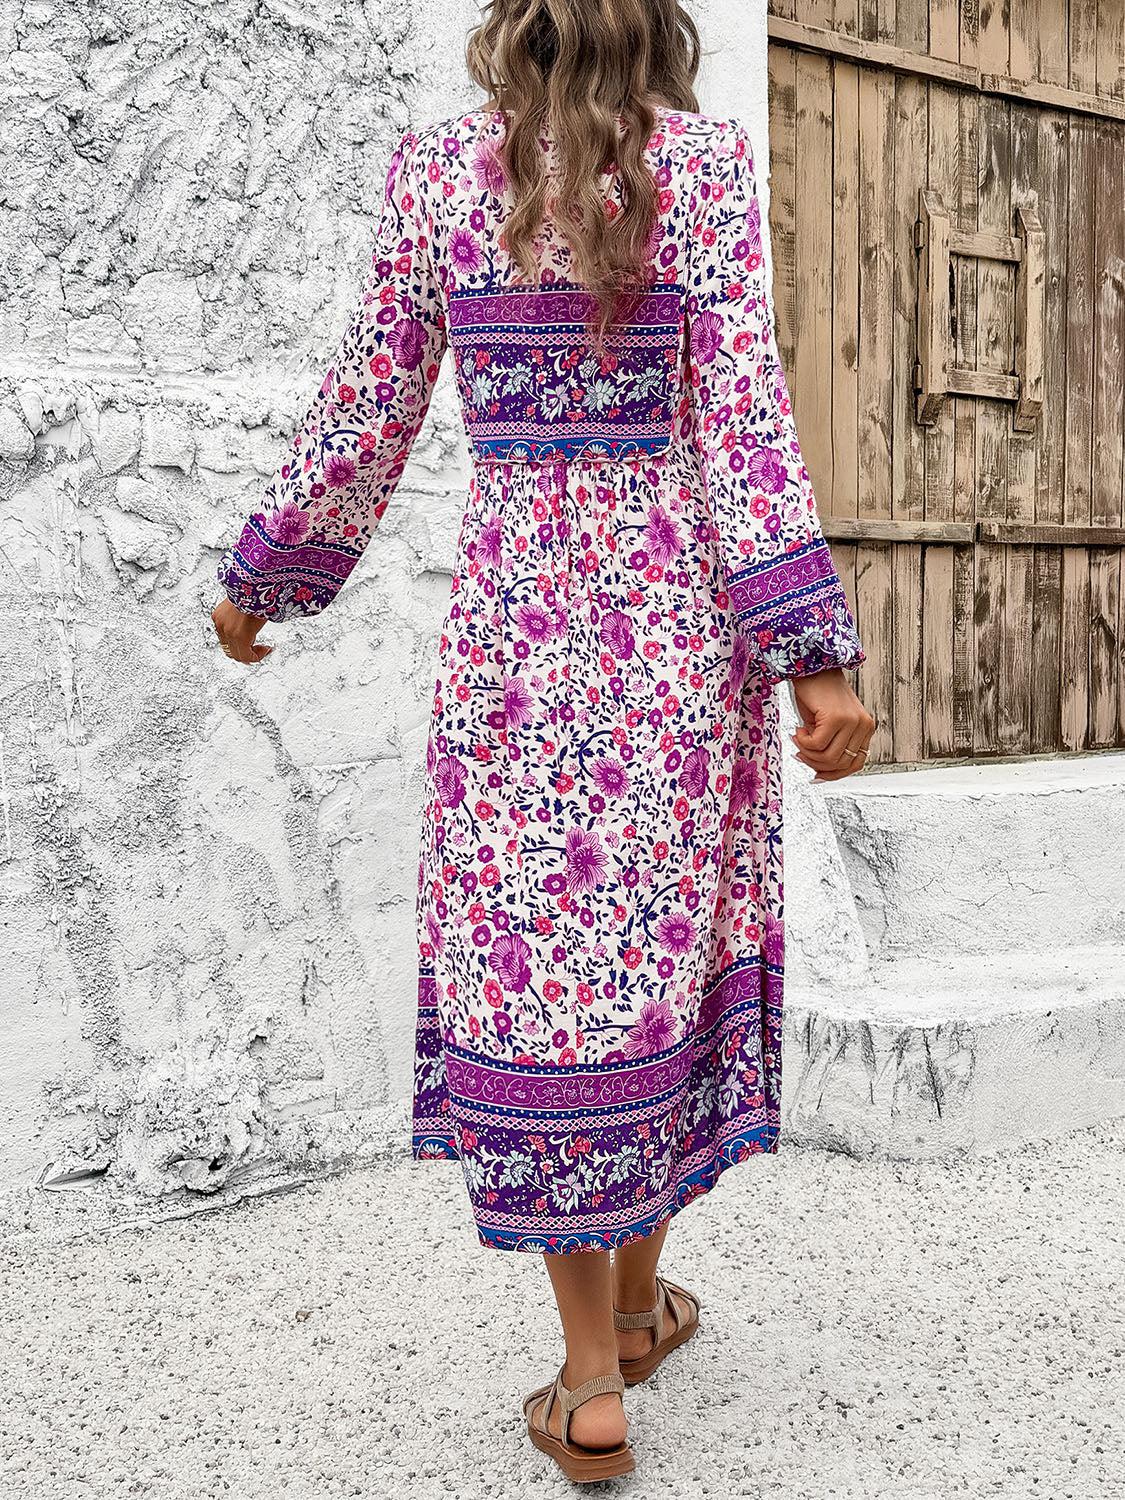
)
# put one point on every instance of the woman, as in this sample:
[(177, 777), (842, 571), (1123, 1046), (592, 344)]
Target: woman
[(640, 563)]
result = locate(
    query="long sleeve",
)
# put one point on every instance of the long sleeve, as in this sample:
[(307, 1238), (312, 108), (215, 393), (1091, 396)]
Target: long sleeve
[(783, 584), (325, 501)]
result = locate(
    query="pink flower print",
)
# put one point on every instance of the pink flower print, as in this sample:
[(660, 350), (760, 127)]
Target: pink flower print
[(773, 939), (449, 781), (610, 776), (754, 225), (534, 623), (652, 1031), (706, 336), (676, 933), (392, 173), (746, 783), (408, 342), (488, 169), (464, 251), (586, 862), (766, 469), (662, 538), (488, 543), (433, 929), (616, 633), (694, 772), (287, 524), (739, 662), (517, 703), (339, 471), (508, 960)]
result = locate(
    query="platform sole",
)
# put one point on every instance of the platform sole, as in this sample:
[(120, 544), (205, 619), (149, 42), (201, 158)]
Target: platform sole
[(580, 1465), (633, 1371)]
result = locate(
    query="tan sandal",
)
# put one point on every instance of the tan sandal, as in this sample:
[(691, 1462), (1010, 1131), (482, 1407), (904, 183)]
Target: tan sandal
[(633, 1370), (580, 1464)]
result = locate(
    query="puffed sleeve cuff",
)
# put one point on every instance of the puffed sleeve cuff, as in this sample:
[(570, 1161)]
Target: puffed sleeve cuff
[(793, 610), (279, 579)]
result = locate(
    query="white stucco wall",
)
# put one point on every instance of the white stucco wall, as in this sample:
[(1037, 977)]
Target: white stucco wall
[(207, 874)]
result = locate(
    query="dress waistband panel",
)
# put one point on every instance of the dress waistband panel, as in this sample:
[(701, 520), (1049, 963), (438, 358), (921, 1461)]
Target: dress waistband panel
[(534, 388)]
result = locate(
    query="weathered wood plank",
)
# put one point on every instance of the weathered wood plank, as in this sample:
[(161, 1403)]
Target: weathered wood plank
[(873, 566), (932, 532), (846, 557), (1054, 65), (945, 29), (1106, 475), (1105, 585), (868, 19), (875, 603), (908, 61), (983, 242), (782, 64), (846, 17), (1023, 442), (938, 563), (1117, 270), (1023, 45), (970, 34), (1079, 433), (994, 352), (937, 649), (1030, 282), (1078, 101), (991, 384), (1043, 534), (1110, 48), (965, 418), (1083, 26), (993, 78), (845, 294), (1046, 636), (876, 221), (817, 14), (813, 359), (908, 443), (934, 367)]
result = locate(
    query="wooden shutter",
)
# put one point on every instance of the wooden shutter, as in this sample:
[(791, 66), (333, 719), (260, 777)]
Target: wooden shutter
[(948, 223)]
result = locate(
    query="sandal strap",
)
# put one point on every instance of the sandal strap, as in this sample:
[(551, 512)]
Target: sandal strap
[(652, 1319), (612, 1384), (679, 1317), (600, 1385)]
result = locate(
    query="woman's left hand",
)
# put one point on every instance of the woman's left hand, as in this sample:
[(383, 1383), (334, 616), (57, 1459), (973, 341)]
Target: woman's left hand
[(236, 632), (837, 729)]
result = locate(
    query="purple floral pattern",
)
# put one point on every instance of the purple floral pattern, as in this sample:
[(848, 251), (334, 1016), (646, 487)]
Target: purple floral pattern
[(600, 901), (531, 386)]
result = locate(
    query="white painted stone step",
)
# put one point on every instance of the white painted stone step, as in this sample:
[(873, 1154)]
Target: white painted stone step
[(930, 1056), (968, 859)]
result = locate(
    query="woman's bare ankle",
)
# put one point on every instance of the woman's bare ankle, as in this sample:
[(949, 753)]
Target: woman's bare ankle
[(586, 1363), (634, 1296)]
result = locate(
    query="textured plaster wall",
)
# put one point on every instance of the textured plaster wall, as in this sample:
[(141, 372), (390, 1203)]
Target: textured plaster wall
[(207, 874)]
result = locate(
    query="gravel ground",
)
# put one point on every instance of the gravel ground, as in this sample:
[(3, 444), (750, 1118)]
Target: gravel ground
[(919, 1330)]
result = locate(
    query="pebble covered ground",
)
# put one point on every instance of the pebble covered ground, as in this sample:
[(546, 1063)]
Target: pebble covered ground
[(923, 1331)]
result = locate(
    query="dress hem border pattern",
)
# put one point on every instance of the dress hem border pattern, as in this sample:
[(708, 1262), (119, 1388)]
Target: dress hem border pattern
[(489, 1114)]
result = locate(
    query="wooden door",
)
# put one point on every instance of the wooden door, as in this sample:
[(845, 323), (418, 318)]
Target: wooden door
[(948, 224)]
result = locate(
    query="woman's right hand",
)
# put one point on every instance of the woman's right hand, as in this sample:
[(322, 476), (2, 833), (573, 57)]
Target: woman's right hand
[(835, 730), (236, 632)]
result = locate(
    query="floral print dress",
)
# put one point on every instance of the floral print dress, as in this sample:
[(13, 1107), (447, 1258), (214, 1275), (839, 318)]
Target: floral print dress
[(600, 901)]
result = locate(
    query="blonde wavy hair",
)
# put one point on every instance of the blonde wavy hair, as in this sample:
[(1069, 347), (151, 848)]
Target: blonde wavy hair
[(588, 74)]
